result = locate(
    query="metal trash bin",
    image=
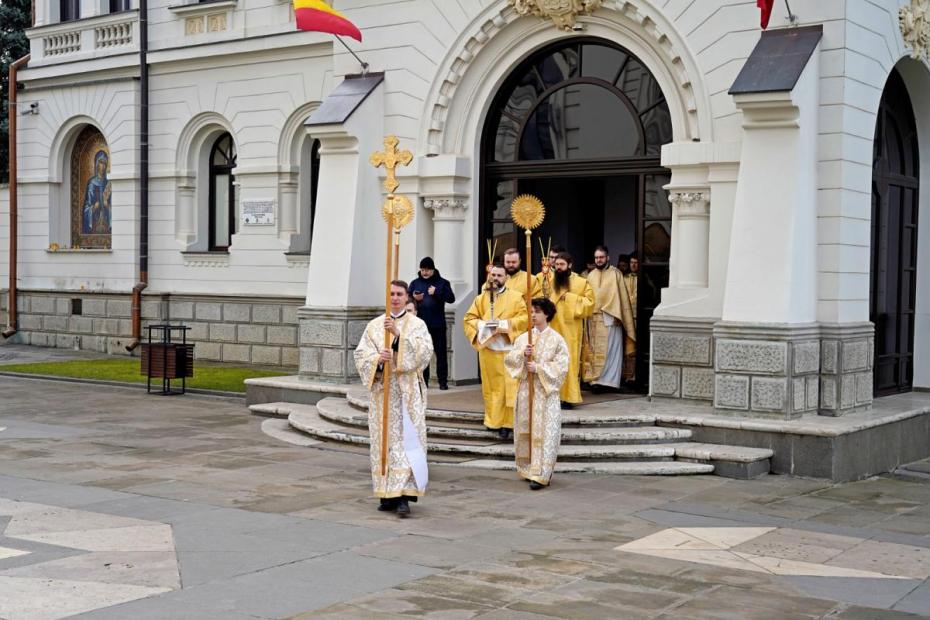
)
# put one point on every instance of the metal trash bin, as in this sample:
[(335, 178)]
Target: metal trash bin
[(166, 355)]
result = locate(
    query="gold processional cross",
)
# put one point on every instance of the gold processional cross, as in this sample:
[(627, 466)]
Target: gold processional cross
[(397, 212)]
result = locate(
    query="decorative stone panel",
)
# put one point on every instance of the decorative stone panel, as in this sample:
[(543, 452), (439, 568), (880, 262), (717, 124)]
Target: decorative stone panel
[(666, 381), (731, 392), (806, 357), (769, 394), (752, 356), (697, 383), (847, 361), (682, 358)]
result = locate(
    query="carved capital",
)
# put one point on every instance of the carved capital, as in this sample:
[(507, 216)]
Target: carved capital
[(914, 20), (690, 204), (563, 13), (446, 207)]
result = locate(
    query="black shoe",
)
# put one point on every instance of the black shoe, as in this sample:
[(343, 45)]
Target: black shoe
[(403, 508), (509, 434), (388, 504), (567, 406), (533, 485), (443, 386), (505, 433)]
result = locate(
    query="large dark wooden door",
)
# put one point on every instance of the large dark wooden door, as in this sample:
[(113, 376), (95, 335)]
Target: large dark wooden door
[(893, 286)]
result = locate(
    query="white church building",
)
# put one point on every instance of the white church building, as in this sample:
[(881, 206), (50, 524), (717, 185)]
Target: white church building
[(770, 183)]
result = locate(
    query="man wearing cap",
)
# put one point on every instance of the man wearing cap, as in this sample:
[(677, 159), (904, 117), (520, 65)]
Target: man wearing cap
[(432, 292)]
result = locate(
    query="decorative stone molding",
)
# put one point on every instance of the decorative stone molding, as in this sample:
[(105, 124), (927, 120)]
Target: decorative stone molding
[(447, 208), (690, 204), (651, 25), (206, 259), (563, 13), (914, 20)]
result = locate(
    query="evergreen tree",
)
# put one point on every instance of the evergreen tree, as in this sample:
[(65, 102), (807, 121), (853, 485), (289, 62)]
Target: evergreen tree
[(15, 17)]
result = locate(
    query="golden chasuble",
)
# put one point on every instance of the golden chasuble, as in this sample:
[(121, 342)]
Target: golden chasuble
[(407, 412), (612, 299), (572, 307), (497, 387)]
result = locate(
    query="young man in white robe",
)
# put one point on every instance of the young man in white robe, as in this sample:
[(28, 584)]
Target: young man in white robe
[(408, 354), (545, 363)]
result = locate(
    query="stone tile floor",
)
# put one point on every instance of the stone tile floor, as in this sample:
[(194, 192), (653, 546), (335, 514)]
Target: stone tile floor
[(115, 504)]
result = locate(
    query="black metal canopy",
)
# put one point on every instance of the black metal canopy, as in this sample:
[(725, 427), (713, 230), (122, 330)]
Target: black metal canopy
[(779, 58)]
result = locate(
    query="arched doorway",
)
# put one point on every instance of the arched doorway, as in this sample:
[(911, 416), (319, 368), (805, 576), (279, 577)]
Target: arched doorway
[(580, 124), (895, 195)]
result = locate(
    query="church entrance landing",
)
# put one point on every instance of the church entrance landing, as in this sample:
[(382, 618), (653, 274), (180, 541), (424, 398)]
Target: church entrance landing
[(580, 125)]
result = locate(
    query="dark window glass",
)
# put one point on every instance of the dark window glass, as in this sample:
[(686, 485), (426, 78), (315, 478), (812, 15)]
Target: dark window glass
[(314, 180), (561, 106), (120, 5), (69, 10), (222, 193), (601, 62), (657, 206), (581, 121)]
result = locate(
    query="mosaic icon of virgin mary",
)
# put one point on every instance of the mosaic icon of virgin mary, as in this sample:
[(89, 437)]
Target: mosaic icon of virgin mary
[(96, 211)]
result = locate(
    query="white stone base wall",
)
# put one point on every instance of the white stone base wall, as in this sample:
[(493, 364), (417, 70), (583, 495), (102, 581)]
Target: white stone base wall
[(847, 357), (770, 370), (683, 358), (261, 331)]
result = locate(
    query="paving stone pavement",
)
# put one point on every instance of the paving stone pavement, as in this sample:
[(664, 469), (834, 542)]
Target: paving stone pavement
[(116, 504)]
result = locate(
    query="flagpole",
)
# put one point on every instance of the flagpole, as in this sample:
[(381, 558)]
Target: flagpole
[(360, 61)]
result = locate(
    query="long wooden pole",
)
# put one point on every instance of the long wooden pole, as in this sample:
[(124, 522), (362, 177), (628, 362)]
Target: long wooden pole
[(386, 369), (396, 253), (529, 332)]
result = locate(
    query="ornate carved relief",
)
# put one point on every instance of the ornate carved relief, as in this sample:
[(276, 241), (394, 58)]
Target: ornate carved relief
[(690, 204), (563, 13), (216, 22), (915, 27), (483, 30), (447, 208), (193, 25)]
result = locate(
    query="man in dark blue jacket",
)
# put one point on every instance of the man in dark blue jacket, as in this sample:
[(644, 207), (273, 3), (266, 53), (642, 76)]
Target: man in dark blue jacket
[(432, 293)]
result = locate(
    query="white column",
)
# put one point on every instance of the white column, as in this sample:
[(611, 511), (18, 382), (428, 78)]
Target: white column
[(186, 218), (691, 235), (289, 204), (448, 234)]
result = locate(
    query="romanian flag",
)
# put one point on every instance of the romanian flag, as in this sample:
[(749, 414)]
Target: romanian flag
[(317, 16)]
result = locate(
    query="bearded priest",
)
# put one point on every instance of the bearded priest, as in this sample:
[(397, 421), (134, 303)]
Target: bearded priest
[(407, 356), (611, 328), (494, 320), (574, 301)]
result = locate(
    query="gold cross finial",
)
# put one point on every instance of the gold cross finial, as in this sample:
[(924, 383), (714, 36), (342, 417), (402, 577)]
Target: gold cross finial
[(390, 159)]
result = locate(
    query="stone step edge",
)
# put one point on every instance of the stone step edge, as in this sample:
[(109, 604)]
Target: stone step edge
[(690, 450), (569, 418), (631, 468), (333, 409)]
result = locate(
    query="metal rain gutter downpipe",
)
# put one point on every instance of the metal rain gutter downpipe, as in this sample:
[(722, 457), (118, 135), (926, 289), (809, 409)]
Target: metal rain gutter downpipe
[(143, 176), (14, 206)]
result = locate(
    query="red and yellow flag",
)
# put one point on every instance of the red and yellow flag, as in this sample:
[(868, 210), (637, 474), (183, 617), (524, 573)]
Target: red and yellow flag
[(317, 16)]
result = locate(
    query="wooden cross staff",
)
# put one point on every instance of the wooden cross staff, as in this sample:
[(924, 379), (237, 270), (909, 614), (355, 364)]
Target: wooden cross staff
[(397, 212)]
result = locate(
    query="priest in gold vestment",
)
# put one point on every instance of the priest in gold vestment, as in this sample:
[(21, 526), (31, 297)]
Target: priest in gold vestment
[(494, 320), (574, 301), (611, 330), (516, 277), (408, 355), (547, 370)]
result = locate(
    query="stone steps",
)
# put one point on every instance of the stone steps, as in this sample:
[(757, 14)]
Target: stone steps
[(629, 468), (339, 411)]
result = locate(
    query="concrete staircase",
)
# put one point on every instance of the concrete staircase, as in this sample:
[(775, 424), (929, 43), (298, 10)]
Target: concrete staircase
[(595, 439)]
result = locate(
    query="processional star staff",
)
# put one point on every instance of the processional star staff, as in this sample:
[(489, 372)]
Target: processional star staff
[(397, 212), (528, 213)]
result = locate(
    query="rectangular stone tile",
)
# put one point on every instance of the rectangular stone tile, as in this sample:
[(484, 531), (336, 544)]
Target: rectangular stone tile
[(427, 551), (283, 591), (880, 593)]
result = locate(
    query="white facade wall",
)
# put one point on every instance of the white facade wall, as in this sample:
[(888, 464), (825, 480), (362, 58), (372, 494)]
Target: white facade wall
[(443, 60)]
